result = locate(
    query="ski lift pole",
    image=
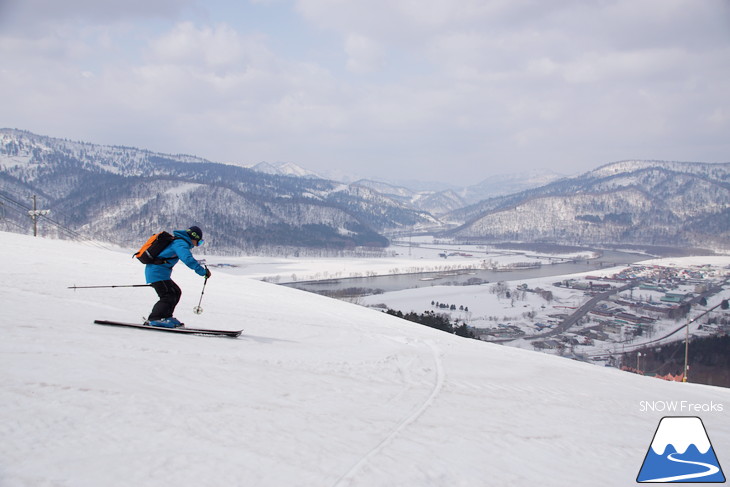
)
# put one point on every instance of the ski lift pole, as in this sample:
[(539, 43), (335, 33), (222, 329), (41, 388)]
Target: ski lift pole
[(723, 305), (34, 214), (198, 310)]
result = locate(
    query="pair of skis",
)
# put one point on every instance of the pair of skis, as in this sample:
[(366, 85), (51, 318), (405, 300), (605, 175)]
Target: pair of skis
[(181, 329)]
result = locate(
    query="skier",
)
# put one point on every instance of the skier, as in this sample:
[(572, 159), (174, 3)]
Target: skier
[(158, 275)]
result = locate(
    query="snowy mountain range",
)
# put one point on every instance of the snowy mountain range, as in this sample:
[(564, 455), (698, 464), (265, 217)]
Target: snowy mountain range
[(447, 199), (628, 202), (434, 197), (284, 169), (316, 392), (118, 193)]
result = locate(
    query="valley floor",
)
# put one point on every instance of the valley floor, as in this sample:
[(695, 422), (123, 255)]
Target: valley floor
[(519, 313)]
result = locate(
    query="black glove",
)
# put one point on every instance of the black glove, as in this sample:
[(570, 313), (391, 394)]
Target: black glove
[(207, 273)]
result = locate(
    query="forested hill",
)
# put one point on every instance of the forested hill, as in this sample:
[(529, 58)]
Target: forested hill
[(122, 194), (628, 202)]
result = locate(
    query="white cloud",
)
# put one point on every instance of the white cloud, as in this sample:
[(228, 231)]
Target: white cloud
[(363, 54), (379, 82), (207, 47), (24, 14)]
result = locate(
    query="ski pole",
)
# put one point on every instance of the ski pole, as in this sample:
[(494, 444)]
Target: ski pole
[(74, 287), (198, 310)]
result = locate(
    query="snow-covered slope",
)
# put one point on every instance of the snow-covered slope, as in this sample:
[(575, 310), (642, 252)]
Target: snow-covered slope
[(284, 169), (315, 393)]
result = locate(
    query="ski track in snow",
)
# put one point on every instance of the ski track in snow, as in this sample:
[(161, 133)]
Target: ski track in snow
[(439, 380)]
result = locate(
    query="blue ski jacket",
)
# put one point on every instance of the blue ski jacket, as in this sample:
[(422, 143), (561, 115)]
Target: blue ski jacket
[(179, 249)]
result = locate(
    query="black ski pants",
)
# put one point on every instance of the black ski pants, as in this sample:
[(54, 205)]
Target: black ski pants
[(169, 294)]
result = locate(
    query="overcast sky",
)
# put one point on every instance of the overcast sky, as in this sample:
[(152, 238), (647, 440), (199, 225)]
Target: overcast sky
[(451, 90)]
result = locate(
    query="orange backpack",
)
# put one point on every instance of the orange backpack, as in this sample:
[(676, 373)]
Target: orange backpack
[(148, 253)]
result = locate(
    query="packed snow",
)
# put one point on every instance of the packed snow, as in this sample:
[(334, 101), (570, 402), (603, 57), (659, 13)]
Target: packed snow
[(316, 392)]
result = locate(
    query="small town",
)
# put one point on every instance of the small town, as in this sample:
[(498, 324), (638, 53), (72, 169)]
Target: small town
[(640, 306)]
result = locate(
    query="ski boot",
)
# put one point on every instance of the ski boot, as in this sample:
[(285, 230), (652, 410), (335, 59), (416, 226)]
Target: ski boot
[(165, 323)]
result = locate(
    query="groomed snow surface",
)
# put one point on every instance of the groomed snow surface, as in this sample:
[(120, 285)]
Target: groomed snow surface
[(317, 392)]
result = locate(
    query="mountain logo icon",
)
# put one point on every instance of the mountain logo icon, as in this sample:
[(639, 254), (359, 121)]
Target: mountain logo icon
[(681, 452)]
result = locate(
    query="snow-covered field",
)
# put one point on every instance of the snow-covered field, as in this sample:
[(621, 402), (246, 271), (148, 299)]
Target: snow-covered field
[(317, 392)]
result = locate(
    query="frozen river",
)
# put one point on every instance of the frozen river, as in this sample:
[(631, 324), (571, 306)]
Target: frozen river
[(465, 277)]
